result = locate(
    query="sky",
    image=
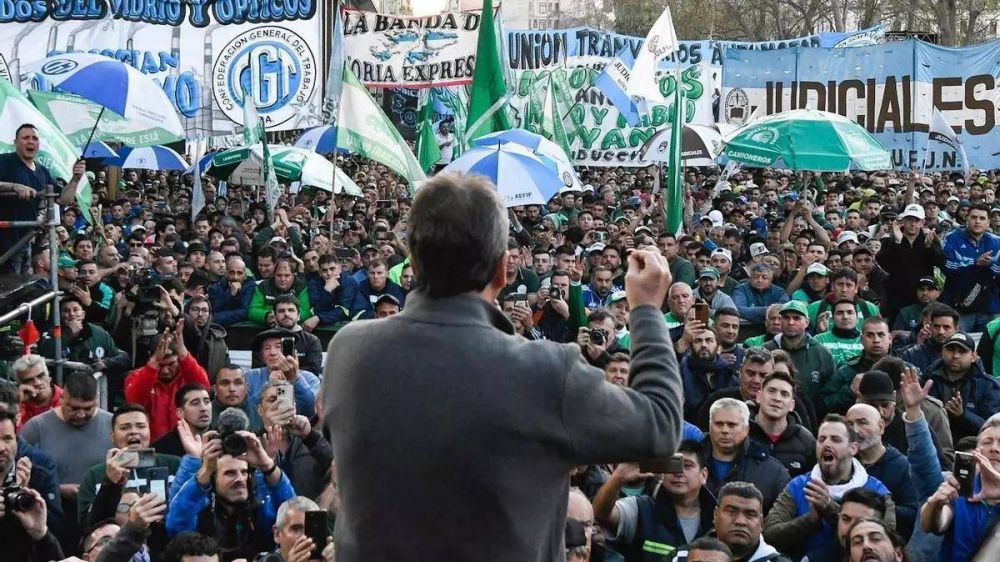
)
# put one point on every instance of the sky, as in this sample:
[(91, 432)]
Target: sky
[(426, 7)]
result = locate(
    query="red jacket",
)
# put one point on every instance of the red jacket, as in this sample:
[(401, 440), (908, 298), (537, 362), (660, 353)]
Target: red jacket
[(142, 386), (29, 410)]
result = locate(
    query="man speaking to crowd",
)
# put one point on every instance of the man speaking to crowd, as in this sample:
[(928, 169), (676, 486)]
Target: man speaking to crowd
[(457, 443)]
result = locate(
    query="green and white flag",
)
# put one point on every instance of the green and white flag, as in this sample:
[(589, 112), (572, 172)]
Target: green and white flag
[(271, 188), (552, 123), (55, 152), (673, 200), (456, 99), (253, 127), (364, 129), (488, 98), (428, 151), (76, 116)]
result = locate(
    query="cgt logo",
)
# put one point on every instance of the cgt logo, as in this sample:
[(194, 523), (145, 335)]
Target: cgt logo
[(59, 66), (275, 66)]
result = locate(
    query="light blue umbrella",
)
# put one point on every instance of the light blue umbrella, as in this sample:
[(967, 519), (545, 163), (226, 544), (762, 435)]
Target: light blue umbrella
[(99, 149), (114, 86), (149, 158), (548, 151), (521, 177), (322, 139)]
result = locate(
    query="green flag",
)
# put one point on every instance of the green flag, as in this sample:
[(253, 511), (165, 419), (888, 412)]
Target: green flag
[(673, 201), (364, 129), (428, 151), (456, 99), (552, 123), (253, 127), (488, 99)]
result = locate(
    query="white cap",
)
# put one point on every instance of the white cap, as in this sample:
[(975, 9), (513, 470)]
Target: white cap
[(847, 236), (955, 199), (913, 210), (817, 268), (595, 247), (758, 249), (716, 217), (724, 253), (570, 189)]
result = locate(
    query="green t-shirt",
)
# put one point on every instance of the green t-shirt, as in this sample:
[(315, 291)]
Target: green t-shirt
[(525, 277), (842, 349), (865, 309)]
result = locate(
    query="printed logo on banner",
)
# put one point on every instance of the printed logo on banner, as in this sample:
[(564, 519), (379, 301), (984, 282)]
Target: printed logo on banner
[(764, 135), (276, 66), (413, 46), (58, 66), (737, 107)]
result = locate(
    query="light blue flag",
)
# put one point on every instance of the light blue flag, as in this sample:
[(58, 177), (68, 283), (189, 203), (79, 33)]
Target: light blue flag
[(612, 82), (335, 80)]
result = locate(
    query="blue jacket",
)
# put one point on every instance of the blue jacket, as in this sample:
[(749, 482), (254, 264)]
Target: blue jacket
[(980, 392), (822, 538), (922, 355), (925, 467), (192, 499), (961, 271), (893, 470), (366, 297), (752, 304), (305, 389), (592, 300), (226, 308), (968, 529), (337, 306), (694, 375)]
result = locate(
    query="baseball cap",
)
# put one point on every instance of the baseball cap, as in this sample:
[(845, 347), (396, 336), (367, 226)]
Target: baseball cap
[(595, 247), (724, 252), (196, 246), (65, 262), (277, 239), (757, 249), (928, 282), (645, 229), (616, 296), (716, 217), (369, 247), (876, 385), (709, 272), (817, 269), (961, 339), (863, 250), (791, 196), (847, 236), (798, 307), (953, 198), (913, 210), (387, 298)]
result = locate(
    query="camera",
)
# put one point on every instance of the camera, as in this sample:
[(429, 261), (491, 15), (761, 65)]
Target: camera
[(598, 337), (555, 293), (16, 498), (232, 420)]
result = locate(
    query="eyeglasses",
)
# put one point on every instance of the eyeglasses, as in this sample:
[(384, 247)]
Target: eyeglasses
[(124, 507), (102, 542)]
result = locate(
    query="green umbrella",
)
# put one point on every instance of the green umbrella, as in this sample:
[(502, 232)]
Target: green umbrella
[(241, 166), (807, 139)]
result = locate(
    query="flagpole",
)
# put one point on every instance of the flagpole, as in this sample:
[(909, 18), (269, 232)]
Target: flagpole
[(336, 120)]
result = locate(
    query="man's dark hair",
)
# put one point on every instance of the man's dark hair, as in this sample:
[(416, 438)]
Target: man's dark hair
[(180, 397), (190, 544), (726, 311), (844, 273), (565, 251), (695, 449), (286, 299), (128, 408), (710, 544), (980, 207), (894, 537), (458, 234), (618, 357), (376, 262), (200, 298), (873, 320), (197, 279), (81, 263), (743, 490), (892, 366), (781, 376), (663, 235), (172, 284), (843, 301), (80, 386), (852, 436), (327, 259), (759, 355), (600, 315), (939, 309), (865, 497), (9, 416), (23, 126), (267, 252), (9, 397)]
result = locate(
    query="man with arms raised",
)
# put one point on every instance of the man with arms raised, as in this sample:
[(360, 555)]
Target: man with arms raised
[(452, 382)]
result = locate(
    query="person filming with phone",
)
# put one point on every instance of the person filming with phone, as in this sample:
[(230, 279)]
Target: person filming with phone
[(281, 362), (475, 413)]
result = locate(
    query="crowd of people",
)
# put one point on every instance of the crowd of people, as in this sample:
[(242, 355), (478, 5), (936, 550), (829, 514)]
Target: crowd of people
[(836, 338)]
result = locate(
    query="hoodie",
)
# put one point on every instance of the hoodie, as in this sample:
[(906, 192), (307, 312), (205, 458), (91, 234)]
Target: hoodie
[(893, 470), (813, 362)]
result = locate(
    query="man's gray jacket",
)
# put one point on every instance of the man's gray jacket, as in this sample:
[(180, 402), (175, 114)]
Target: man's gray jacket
[(454, 438)]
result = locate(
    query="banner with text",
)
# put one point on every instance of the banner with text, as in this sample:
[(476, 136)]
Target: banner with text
[(386, 51), (891, 89), (201, 53)]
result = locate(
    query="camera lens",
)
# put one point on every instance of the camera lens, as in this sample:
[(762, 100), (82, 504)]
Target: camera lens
[(234, 445), (18, 499)]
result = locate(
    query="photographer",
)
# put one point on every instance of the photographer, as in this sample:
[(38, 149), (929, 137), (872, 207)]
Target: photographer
[(554, 322), (150, 308), (308, 348), (232, 498), (26, 520), (95, 295), (304, 455), (597, 339), (154, 385)]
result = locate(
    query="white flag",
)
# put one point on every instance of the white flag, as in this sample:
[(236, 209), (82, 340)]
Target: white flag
[(659, 44), (942, 132), (197, 195)]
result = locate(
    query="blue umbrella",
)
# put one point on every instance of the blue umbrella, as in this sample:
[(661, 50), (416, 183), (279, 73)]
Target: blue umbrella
[(520, 176), (204, 163), (99, 149), (322, 139), (548, 151), (149, 158)]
